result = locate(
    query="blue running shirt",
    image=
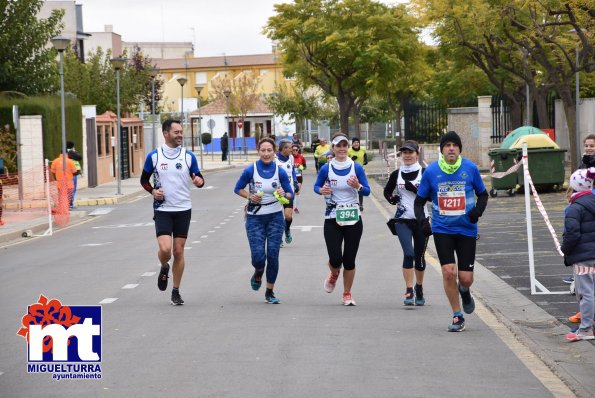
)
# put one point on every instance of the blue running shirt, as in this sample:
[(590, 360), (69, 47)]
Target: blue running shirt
[(453, 197)]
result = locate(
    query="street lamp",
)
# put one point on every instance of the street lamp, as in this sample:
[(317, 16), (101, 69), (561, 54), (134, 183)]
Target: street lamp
[(198, 89), (117, 64), (60, 43), (182, 81), (153, 72), (227, 93)]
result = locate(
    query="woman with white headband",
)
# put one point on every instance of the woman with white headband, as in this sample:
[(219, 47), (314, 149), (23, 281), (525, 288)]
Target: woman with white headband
[(340, 181)]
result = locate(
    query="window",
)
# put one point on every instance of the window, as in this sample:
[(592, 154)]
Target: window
[(108, 139), (200, 77), (99, 140), (263, 72)]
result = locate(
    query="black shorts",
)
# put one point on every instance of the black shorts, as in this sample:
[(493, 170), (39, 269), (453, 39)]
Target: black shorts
[(289, 205), (176, 223), (464, 246), (299, 179)]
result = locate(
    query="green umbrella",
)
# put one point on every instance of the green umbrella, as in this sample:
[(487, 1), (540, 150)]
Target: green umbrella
[(517, 133)]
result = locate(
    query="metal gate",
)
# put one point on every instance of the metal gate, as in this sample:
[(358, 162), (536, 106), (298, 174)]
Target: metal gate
[(125, 153), (424, 122)]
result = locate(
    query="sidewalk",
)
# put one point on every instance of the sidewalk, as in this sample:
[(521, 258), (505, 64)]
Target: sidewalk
[(30, 222)]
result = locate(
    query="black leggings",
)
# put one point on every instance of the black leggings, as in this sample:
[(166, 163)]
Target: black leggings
[(335, 235)]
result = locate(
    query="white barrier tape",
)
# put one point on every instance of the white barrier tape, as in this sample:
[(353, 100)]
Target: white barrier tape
[(512, 169), (529, 182)]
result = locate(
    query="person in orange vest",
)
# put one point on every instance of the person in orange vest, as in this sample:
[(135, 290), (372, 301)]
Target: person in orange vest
[(65, 179)]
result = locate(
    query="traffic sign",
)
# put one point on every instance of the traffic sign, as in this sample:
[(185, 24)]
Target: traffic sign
[(240, 124)]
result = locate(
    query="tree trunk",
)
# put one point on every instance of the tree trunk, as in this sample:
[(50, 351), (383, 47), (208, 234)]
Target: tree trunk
[(569, 103), (539, 95), (345, 104), (356, 120)]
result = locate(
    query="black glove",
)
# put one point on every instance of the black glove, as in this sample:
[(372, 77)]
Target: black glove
[(354, 158), (426, 227), (395, 199), (410, 187), (474, 215)]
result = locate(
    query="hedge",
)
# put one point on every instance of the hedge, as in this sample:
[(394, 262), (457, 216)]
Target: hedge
[(50, 111)]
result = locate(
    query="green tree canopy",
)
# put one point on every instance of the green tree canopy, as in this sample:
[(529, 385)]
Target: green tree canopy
[(27, 60), (345, 47)]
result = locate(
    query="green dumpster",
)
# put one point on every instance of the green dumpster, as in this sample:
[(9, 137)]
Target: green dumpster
[(546, 167), (503, 159)]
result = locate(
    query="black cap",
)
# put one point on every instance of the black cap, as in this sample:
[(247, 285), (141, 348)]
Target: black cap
[(453, 137), (410, 146), (354, 139)]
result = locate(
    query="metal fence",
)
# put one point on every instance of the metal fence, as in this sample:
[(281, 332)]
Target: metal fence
[(501, 123), (424, 122)]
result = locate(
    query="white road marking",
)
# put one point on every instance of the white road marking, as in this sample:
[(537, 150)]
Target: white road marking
[(217, 226), (133, 225), (95, 244), (149, 274), (101, 211), (227, 219), (222, 223), (209, 187), (204, 236), (195, 241), (188, 248), (211, 231), (130, 286), (305, 228), (108, 300)]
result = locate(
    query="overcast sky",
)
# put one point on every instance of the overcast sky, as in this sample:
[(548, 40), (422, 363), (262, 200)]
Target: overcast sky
[(215, 26)]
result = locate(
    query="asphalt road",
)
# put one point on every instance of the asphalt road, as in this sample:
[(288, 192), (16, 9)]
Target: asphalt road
[(227, 342)]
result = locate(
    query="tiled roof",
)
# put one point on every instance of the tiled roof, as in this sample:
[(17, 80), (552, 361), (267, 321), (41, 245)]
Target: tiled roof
[(216, 62), (220, 108)]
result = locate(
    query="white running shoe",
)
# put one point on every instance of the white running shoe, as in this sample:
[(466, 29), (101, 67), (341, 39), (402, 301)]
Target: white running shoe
[(348, 300), (330, 282)]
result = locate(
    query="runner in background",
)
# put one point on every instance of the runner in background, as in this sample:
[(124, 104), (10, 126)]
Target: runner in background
[(451, 184), (359, 155), (339, 181), (400, 190), (284, 159), (319, 153), (299, 165), (173, 169), (268, 186)]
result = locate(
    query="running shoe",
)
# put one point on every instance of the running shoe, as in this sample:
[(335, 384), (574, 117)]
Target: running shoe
[(348, 301), (176, 299), (468, 301), (288, 237), (457, 325), (581, 334), (361, 208), (330, 282), (271, 299), (419, 295), (568, 279), (576, 318), (162, 278), (408, 299), (296, 211), (255, 283)]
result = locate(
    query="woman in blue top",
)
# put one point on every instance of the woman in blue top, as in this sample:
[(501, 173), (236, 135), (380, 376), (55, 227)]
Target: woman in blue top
[(340, 181), (268, 189)]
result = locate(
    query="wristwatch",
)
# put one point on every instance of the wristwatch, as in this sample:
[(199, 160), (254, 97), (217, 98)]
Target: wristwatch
[(360, 188)]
